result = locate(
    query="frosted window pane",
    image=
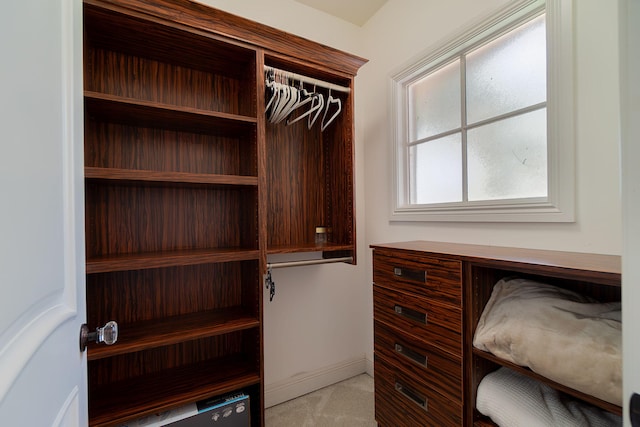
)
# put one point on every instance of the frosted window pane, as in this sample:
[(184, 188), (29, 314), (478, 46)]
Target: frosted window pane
[(508, 159), (434, 103), (508, 73), (437, 170)]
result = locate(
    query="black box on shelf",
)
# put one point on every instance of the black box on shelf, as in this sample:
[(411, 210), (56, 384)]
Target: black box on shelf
[(228, 411)]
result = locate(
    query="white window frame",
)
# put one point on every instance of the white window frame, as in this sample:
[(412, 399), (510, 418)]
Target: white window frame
[(559, 205)]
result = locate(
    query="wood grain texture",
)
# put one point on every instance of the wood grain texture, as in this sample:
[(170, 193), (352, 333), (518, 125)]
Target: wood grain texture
[(443, 328), (212, 21), (173, 330), (140, 176), (115, 403), (158, 115), (241, 345), (310, 182), (326, 248), (128, 219), (594, 268), (188, 188), (396, 409), (442, 372), (168, 65), (141, 261), (339, 179), (295, 182), (443, 276), (594, 275), (139, 296)]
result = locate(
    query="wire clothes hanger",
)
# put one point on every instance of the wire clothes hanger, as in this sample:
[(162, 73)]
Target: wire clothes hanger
[(285, 98), (330, 100)]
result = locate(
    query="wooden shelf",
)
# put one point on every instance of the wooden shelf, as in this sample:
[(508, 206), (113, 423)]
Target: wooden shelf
[(186, 185), (140, 396), (525, 371), (175, 329), (484, 423), (133, 175), (311, 247), (168, 259), (154, 114)]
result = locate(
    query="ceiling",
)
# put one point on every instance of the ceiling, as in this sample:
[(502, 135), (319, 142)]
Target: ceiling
[(355, 11)]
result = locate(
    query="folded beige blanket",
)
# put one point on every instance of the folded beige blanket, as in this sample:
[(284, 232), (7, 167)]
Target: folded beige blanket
[(557, 333)]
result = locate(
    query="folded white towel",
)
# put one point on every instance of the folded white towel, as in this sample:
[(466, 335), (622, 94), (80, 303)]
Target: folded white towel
[(511, 399)]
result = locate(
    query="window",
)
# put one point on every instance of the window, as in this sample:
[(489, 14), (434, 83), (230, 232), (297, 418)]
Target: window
[(484, 127)]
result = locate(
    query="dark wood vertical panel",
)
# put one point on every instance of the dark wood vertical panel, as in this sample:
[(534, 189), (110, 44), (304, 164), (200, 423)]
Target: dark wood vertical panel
[(339, 159), (120, 368), (263, 213), (295, 182), (125, 219), (137, 295), (115, 145)]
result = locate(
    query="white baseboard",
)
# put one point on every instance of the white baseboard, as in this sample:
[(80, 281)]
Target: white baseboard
[(369, 367), (299, 385)]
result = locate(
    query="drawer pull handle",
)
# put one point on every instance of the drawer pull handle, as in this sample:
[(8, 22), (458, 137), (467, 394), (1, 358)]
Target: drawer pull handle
[(415, 275), (414, 356), (412, 395), (410, 314)]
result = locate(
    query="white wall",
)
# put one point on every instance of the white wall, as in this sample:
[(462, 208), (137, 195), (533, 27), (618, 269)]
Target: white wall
[(403, 29), (319, 327)]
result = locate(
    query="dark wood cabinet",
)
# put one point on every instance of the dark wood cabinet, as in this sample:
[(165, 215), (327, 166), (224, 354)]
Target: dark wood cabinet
[(428, 297), (418, 338), (187, 188)]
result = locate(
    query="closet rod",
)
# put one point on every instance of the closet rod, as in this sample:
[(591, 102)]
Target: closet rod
[(308, 262), (309, 80)]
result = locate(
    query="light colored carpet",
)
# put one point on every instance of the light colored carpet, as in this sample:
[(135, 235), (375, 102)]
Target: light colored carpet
[(345, 404)]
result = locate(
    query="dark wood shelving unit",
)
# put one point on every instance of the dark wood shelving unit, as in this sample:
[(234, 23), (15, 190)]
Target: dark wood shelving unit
[(188, 188), (172, 200), (149, 394), (450, 284)]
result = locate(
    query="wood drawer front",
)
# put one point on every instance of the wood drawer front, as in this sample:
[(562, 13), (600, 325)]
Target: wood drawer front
[(402, 401), (438, 324), (438, 370), (430, 277)]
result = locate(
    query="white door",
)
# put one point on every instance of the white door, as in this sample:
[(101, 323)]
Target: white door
[(630, 130), (42, 371)]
